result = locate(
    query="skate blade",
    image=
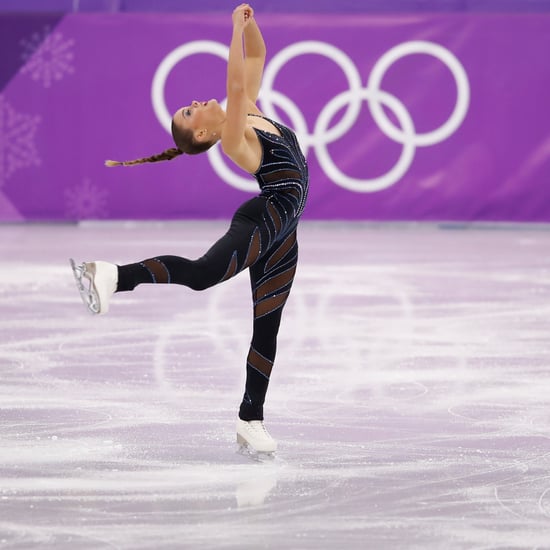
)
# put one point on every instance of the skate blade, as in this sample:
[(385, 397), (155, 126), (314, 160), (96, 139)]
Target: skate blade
[(258, 456), (87, 293)]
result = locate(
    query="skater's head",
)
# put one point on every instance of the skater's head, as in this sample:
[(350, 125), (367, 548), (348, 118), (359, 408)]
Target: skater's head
[(195, 128)]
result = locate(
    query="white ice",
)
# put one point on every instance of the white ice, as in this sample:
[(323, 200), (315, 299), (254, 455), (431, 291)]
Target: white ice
[(410, 396)]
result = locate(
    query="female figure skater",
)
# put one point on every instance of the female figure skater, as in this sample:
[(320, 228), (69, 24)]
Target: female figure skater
[(262, 233)]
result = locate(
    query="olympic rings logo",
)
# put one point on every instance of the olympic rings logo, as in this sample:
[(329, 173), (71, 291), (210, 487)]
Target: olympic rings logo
[(353, 98)]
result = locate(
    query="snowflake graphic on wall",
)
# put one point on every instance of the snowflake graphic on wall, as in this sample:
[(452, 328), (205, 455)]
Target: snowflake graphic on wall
[(47, 56), (85, 201), (17, 147)]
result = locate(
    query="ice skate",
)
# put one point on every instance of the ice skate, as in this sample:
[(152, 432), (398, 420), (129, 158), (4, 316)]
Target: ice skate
[(96, 282), (253, 435)]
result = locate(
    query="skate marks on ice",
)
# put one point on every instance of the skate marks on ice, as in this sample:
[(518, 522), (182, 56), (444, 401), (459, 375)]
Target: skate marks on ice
[(409, 398)]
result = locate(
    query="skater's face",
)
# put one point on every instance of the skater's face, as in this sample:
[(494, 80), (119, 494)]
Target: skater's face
[(201, 117)]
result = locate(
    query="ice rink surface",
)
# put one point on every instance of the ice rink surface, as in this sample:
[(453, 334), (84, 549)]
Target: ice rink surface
[(410, 396)]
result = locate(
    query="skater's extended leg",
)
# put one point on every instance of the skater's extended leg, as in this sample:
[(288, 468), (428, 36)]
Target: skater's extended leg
[(240, 247)]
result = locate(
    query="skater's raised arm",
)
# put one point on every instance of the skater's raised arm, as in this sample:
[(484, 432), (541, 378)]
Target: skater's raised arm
[(255, 50), (233, 137)]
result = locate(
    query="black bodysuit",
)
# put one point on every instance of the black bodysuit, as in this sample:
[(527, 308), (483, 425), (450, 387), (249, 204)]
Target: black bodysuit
[(261, 237)]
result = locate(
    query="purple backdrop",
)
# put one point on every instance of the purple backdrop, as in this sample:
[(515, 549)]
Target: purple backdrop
[(420, 117)]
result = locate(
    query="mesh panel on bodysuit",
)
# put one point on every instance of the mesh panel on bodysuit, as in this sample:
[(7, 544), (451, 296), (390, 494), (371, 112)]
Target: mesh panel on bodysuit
[(254, 249), (281, 252), (159, 272), (232, 268), (270, 304), (277, 221), (281, 175), (259, 362), (273, 285)]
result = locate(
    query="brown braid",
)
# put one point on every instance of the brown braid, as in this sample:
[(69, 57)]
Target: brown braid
[(169, 154)]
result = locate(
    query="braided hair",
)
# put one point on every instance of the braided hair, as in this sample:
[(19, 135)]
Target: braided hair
[(169, 154), (185, 142)]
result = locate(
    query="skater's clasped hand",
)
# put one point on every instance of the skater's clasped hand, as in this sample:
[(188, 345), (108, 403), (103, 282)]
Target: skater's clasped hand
[(241, 16)]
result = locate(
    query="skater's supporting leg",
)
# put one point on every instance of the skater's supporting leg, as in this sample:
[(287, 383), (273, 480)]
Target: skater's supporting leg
[(271, 280)]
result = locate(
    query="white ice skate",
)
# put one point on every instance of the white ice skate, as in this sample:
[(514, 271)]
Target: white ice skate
[(253, 435), (96, 282)]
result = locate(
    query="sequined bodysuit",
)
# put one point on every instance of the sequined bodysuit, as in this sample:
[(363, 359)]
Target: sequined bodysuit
[(261, 237), (283, 167)]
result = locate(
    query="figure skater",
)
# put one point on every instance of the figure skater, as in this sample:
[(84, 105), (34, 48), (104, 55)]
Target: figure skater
[(262, 233)]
